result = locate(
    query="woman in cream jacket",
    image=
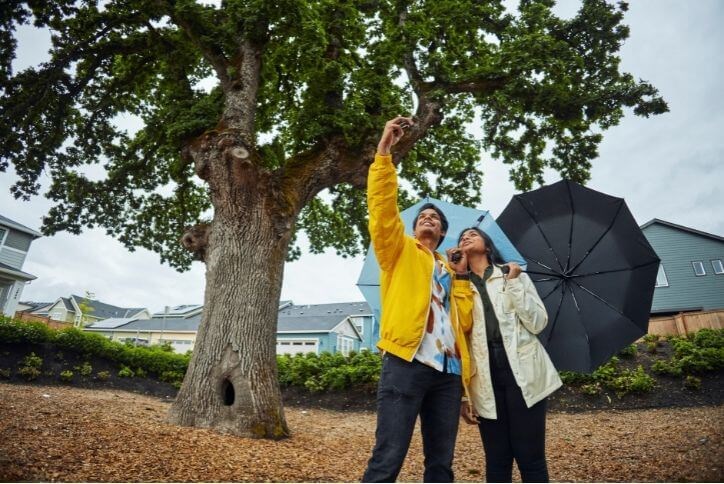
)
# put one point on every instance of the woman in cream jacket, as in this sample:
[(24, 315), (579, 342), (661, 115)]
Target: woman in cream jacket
[(511, 372)]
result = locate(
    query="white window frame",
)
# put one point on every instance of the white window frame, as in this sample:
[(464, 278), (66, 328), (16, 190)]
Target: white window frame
[(5, 232), (720, 269), (701, 264), (344, 344), (662, 272)]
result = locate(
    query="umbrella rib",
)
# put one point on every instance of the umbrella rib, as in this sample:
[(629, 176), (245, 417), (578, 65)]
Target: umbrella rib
[(539, 263), (552, 290), (570, 233), (607, 304), (617, 270), (608, 229), (537, 224), (578, 309), (558, 311)]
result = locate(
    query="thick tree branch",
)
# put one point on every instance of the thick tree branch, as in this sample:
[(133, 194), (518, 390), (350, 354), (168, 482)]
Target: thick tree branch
[(211, 52)]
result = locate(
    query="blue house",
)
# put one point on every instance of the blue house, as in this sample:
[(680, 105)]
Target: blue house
[(691, 274), (336, 328)]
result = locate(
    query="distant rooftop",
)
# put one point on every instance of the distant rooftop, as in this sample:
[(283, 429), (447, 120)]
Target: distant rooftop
[(102, 310), (360, 308)]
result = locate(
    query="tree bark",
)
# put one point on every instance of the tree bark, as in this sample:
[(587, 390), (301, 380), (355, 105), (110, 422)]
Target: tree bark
[(231, 384)]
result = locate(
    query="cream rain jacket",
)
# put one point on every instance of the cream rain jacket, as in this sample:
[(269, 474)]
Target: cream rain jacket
[(522, 316)]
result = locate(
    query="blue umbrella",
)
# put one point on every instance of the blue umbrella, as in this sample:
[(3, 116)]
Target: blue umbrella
[(459, 218)]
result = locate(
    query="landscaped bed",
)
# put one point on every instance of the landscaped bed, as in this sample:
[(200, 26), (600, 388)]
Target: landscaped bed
[(59, 433)]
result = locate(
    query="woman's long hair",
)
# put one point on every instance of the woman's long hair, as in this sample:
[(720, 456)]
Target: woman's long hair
[(492, 253)]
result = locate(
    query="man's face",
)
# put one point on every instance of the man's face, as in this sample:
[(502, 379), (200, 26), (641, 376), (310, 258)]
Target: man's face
[(429, 225)]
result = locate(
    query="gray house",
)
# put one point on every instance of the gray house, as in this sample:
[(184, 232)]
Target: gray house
[(15, 240), (691, 274)]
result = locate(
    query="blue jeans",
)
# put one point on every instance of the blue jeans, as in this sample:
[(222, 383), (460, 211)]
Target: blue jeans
[(406, 390)]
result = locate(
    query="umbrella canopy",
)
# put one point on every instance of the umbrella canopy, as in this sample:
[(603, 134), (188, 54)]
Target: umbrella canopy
[(459, 218), (592, 266)]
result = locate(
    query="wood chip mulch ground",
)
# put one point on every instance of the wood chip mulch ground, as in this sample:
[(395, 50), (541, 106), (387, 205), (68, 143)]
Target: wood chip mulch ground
[(67, 434)]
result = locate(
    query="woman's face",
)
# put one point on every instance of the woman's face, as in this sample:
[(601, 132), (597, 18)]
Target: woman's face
[(472, 243)]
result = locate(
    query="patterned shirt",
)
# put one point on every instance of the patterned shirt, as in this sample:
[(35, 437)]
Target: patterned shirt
[(438, 348)]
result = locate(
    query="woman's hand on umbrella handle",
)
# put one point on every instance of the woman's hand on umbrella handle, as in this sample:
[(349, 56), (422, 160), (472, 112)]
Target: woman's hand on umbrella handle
[(515, 270), (393, 132), (468, 414), (457, 260)]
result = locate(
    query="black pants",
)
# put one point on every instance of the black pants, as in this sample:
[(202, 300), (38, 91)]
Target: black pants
[(518, 432), (406, 390)]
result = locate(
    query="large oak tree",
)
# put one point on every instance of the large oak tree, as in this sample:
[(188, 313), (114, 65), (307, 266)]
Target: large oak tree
[(282, 139)]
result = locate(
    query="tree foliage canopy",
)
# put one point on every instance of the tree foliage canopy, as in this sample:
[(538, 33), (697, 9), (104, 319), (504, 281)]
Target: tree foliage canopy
[(542, 87)]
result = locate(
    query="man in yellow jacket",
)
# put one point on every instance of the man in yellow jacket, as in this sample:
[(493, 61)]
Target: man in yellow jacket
[(426, 312)]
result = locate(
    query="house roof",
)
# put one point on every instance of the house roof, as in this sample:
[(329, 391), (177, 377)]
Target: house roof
[(22, 228), (110, 323), (170, 324), (319, 317), (345, 309), (35, 306), (682, 227), (184, 310), (104, 311), (68, 305), (15, 273)]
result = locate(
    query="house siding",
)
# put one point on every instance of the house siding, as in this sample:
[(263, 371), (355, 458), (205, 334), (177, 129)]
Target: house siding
[(13, 258), (322, 339), (677, 249)]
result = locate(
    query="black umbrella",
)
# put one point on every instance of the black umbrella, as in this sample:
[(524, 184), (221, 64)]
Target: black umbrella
[(592, 266)]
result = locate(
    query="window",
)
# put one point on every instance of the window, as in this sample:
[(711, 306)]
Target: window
[(717, 265), (344, 345), (661, 279), (699, 268), (359, 325), (3, 233)]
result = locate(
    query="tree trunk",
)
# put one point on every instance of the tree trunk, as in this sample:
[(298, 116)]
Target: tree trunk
[(231, 384)]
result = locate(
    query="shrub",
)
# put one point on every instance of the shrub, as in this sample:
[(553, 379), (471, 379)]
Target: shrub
[(637, 381), (32, 360), (126, 372), (651, 347), (85, 369), (652, 338), (5, 373), (574, 378), (30, 367), (66, 375), (29, 373), (606, 371), (140, 372), (103, 375), (13, 332), (175, 378), (666, 367), (692, 383), (591, 388), (328, 371), (629, 351)]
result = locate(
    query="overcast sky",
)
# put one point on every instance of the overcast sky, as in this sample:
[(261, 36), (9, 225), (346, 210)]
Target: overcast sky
[(669, 167)]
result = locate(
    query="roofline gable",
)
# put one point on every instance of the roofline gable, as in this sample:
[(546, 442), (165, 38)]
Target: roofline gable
[(682, 228)]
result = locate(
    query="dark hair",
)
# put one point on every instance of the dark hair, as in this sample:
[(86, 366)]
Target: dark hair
[(493, 254), (443, 219)]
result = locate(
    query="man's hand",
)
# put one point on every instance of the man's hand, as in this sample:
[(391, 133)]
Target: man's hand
[(515, 270), (392, 133), (461, 266), (468, 414)]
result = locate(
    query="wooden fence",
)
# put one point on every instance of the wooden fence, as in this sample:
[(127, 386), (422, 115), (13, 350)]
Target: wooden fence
[(684, 323), (34, 318)]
